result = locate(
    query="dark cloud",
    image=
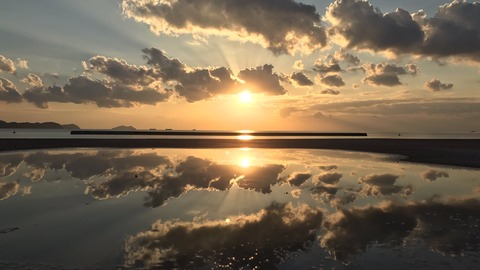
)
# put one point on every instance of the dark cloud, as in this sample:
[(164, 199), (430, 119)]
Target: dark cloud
[(330, 92), (8, 92), (121, 71), (365, 27), (352, 231), (332, 80), (300, 79), (8, 189), (241, 242), (320, 191), (198, 173), (329, 178), (432, 175), (297, 179), (84, 90), (125, 85), (282, 26), (436, 85), (6, 65), (383, 74), (382, 184), (84, 166), (327, 67), (340, 201), (328, 167), (350, 59), (122, 185), (453, 31), (262, 79), (191, 173), (261, 179), (192, 83)]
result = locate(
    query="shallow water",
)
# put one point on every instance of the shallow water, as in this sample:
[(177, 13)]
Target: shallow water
[(234, 208)]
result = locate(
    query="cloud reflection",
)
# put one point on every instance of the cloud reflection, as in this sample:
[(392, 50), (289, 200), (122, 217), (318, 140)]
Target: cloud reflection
[(448, 226), (260, 240)]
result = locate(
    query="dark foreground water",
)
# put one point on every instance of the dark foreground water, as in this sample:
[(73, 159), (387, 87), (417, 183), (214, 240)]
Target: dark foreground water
[(234, 208)]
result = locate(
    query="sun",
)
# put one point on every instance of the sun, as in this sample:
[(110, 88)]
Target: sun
[(245, 96)]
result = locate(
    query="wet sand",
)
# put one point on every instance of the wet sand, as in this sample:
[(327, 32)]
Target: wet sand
[(453, 152)]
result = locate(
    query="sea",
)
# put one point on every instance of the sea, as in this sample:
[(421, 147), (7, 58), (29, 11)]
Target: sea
[(234, 208)]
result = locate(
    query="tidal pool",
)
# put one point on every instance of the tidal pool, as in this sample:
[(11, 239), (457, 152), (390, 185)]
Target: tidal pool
[(234, 208)]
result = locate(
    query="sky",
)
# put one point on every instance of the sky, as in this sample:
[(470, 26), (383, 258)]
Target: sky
[(373, 66)]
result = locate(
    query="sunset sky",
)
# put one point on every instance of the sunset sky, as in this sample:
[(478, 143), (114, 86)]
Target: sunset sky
[(410, 66)]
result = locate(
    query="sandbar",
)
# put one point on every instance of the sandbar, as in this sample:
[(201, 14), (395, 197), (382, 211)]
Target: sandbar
[(452, 152)]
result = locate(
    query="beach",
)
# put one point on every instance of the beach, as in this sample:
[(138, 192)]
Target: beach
[(451, 152)]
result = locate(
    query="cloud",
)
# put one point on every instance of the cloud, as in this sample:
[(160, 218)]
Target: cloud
[(352, 231), (282, 26), (364, 26), (121, 71), (329, 178), (8, 92), (329, 92), (384, 74), (243, 241), (33, 80), (202, 83), (122, 184), (436, 85), (296, 193), (342, 55), (297, 179), (298, 65), (84, 90), (6, 65), (199, 173), (454, 30), (340, 201), (432, 175), (112, 82), (328, 167), (332, 80), (320, 191), (262, 79), (300, 79), (326, 67), (84, 166), (8, 189), (21, 63), (382, 184), (9, 164), (261, 179)]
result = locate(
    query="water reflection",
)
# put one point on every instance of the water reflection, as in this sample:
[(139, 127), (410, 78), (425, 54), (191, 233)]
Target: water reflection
[(237, 208)]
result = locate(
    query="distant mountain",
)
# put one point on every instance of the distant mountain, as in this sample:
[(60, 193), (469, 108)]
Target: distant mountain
[(45, 125), (124, 128)]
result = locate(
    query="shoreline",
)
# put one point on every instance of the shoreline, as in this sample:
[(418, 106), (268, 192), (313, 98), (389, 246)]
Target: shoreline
[(452, 152)]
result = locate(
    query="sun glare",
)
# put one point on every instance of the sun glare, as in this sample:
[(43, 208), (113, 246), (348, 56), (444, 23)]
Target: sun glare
[(244, 137), (245, 96), (245, 162)]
